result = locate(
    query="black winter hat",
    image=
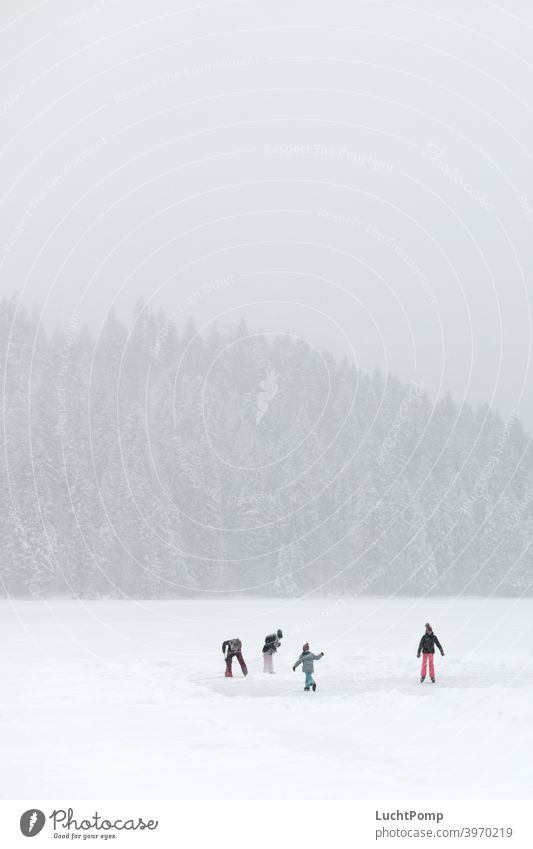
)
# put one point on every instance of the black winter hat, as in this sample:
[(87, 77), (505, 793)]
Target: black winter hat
[(280, 634)]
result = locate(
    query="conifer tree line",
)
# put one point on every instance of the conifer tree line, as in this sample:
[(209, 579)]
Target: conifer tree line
[(153, 461)]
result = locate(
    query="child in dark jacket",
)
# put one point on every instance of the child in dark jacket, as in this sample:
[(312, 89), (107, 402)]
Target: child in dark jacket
[(427, 648), (234, 649), (272, 644), (307, 659)]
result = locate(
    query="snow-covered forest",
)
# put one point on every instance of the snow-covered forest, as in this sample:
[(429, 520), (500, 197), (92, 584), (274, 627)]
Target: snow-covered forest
[(155, 460)]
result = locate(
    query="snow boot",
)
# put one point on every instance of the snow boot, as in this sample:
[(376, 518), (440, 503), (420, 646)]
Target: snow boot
[(422, 679), (432, 680), (306, 689), (228, 674), (314, 687)]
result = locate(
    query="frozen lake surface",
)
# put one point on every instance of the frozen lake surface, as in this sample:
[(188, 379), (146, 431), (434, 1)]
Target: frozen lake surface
[(114, 699)]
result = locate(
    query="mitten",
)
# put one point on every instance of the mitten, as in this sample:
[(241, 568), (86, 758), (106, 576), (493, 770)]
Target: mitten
[(418, 654)]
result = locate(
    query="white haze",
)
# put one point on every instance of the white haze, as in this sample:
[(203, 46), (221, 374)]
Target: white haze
[(363, 167)]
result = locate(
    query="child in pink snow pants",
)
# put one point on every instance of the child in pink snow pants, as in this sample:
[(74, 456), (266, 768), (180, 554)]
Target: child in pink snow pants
[(426, 647)]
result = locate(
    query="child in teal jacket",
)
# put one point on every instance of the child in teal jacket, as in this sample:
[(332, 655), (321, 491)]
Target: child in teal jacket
[(307, 659)]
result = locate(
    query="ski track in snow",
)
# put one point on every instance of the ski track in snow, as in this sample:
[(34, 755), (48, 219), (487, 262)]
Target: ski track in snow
[(128, 700)]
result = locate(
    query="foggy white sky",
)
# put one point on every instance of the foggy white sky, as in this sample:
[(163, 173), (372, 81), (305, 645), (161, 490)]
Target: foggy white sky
[(359, 173)]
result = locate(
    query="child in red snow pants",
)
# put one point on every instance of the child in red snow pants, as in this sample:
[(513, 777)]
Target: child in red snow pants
[(229, 658), (233, 648), (427, 656)]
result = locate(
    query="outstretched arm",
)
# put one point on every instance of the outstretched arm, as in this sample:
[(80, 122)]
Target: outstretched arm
[(318, 656), (297, 664)]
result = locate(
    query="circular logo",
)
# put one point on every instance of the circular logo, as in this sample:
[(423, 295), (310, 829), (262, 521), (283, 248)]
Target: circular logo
[(32, 822)]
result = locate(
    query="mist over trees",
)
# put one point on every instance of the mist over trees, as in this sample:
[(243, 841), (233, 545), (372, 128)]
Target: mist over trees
[(152, 461)]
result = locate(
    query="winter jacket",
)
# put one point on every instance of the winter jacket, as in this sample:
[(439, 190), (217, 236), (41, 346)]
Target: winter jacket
[(271, 648), (233, 646), (428, 643), (272, 643), (306, 659)]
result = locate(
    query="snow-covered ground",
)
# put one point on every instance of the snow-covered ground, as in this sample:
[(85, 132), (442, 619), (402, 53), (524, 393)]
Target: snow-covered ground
[(128, 700)]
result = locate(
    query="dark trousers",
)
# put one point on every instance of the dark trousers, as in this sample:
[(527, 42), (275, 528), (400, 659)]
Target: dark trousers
[(238, 655)]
